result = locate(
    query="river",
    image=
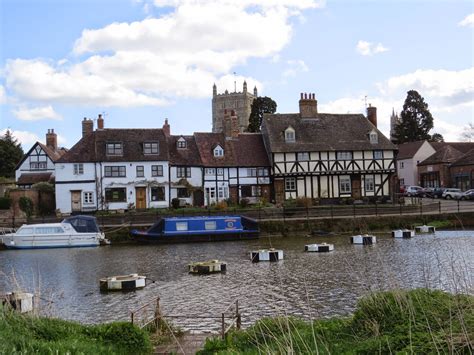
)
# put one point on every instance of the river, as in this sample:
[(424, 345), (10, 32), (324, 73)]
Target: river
[(310, 285)]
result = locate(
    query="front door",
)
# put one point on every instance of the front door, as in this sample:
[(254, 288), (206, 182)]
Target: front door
[(198, 198), (140, 193), (76, 205), (356, 186)]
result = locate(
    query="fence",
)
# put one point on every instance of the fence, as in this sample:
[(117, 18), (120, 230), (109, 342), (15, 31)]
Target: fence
[(146, 218)]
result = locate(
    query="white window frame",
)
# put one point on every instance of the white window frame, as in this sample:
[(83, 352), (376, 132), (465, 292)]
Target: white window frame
[(369, 184), (220, 171), (141, 172), (290, 184), (345, 185), (210, 171), (151, 148), (344, 155), (302, 156), (156, 170), (378, 154), (114, 148), (78, 169), (218, 151), (290, 135), (88, 197), (181, 226), (181, 143)]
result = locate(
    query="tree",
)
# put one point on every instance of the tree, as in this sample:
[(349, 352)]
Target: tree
[(415, 120), (260, 105), (436, 137), (468, 133), (10, 154)]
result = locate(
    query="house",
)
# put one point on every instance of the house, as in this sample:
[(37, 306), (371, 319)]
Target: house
[(409, 155), (462, 171), (114, 169), (319, 155), (37, 165)]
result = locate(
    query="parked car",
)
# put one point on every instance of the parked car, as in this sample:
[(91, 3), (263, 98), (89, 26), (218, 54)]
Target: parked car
[(437, 192), (467, 195), (413, 190), (452, 193)]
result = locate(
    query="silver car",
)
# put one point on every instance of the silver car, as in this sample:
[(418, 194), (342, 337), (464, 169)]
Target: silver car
[(452, 193)]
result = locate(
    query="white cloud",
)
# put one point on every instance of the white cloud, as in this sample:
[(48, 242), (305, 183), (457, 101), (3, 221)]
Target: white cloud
[(295, 67), (27, 139), (3, 95), (36, 113), (179, 54), (468, 21), (368, 48)]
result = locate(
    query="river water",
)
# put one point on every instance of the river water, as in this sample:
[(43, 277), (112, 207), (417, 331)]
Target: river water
[(310, 285)]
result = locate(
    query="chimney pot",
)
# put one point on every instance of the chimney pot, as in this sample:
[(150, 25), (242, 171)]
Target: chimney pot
[(167, 128), (100, 122), (87, 126), (308, 105), (372, 114), (52, 140)]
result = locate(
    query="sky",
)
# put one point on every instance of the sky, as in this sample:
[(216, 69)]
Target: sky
[(137, 62)]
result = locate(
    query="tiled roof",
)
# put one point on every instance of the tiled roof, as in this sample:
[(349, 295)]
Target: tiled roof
[(33, 178), (92, 147), (409, 149), (446, 154), (250, 150), (463, 147), (325, 132), (179, 156), (206, 142), (54, 155), (466, 159)]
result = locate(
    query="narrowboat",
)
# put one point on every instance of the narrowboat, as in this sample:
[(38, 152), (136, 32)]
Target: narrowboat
[(74, 231), (198, 229)]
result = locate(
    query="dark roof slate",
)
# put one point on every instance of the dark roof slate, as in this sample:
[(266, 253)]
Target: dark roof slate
[(186, 157), (206, 142), (463, 147), (92, 147), (466, 159), (325, 132), (33, 178), (446, 154), (409, 149), (250, 150)]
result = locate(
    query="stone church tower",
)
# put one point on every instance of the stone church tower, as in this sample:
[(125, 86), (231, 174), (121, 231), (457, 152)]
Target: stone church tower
[(239, 102), (394, 119)]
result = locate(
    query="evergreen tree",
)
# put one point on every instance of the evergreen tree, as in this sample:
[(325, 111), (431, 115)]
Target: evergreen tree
[(260, 105), (436, 137), (10, 154), (415, 120)]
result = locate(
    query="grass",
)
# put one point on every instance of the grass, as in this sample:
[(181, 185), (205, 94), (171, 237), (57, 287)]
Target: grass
[(420, 321), (25, 334)]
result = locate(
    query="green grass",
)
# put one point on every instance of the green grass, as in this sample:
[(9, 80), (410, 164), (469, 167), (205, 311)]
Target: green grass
[(399, 322), (24, 334)]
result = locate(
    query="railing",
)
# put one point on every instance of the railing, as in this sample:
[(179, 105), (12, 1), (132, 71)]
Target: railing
[(150, 313)]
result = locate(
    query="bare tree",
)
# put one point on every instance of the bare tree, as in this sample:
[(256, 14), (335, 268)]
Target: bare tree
[(468, 133)]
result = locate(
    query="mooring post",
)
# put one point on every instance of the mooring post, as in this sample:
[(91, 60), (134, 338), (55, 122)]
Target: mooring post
[(223, 326), (157, 313), (131, 316), (237, 315), (439, 207)]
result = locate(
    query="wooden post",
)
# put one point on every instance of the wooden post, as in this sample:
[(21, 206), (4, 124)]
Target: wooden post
[(439, 207), (223, 326), (237, 315), (157, 313), (131, 316)]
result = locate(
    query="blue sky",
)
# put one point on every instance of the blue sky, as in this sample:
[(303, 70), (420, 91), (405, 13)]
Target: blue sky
[(141, 61)]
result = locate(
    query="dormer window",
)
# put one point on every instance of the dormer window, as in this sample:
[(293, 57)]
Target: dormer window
[(181, 143), (218, 151), (151, 148), (114, 148), (373, 137), (289, 134)]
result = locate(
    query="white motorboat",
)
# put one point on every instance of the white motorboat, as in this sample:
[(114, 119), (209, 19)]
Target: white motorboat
[(72, 232)]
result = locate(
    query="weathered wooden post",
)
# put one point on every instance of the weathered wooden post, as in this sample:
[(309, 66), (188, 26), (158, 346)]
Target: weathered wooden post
[(223, 326), (157, 313), (439, 207), (237, 315), (131, 316)]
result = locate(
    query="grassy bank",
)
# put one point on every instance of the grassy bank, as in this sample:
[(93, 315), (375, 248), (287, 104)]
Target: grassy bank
[(23, 334), (418, 321)]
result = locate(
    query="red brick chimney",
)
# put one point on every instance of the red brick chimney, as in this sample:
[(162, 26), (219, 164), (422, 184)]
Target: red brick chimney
[(234, 124), (87, 126), (100, 122), (372, 114), (167, 128), (227, 125), (308, 106), (52, 140)]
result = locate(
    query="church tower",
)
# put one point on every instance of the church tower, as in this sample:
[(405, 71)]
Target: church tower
[(239, 102), (393, 122)]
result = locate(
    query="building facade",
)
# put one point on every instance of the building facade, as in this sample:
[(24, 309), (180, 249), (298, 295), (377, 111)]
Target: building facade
[(409, 155)]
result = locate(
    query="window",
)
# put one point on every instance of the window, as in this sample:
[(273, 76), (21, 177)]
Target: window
[(157, 170), (289, 135), (210, 171), (220, 171), (210, 225), (290, 184), (140, 171), (401, 165), (256, 191), (150, 148), (183, 192), (183, 171), (252, 172), (181, 226), (181, 143), (218, 151), (38, 166), (345, 155), (378, 154), (402, 181), (25, 231), (114, 171), (158, 193), (49, 230), (369, 183), (114, 149), (116, 195), (222, 192), (262, 172), (373, 137), (302, 156), (88, 198), (251, 191), (345, 185), (78, 169)]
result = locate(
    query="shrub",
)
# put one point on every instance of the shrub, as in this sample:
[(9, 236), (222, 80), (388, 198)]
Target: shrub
[(43, 187), (244, 202), (221, 205), (175, 203), (305, 202), (26, 205), (5, 203)]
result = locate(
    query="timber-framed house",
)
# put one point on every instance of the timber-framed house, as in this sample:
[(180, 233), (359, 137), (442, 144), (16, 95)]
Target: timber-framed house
[(318, 155)]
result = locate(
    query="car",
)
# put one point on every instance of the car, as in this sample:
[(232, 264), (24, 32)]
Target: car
[(467, 195), (437, 192), (413, 190), (452, 193)]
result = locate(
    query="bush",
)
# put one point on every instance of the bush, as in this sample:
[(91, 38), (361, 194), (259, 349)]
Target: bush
[(175, 203), (221, 205), (5, 203), (244, 202), (43, 187), (305, 202), (26, 205)]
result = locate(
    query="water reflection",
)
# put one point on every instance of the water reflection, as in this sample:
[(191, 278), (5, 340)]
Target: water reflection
[(304, 284)]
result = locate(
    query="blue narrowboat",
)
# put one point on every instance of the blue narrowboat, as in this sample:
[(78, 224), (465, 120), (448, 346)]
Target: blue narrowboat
[(199, 229)]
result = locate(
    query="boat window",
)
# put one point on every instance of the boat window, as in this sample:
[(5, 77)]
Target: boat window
[(181, 226), (25, 231), (210, 225), (49, 230)]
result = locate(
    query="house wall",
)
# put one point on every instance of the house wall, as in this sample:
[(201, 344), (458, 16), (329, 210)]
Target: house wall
[(408, 169), (195, 180), (442, 169), (36, 155), (467, 173)]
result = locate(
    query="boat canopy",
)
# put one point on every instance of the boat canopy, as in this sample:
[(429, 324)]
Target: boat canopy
[(83, 224)]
